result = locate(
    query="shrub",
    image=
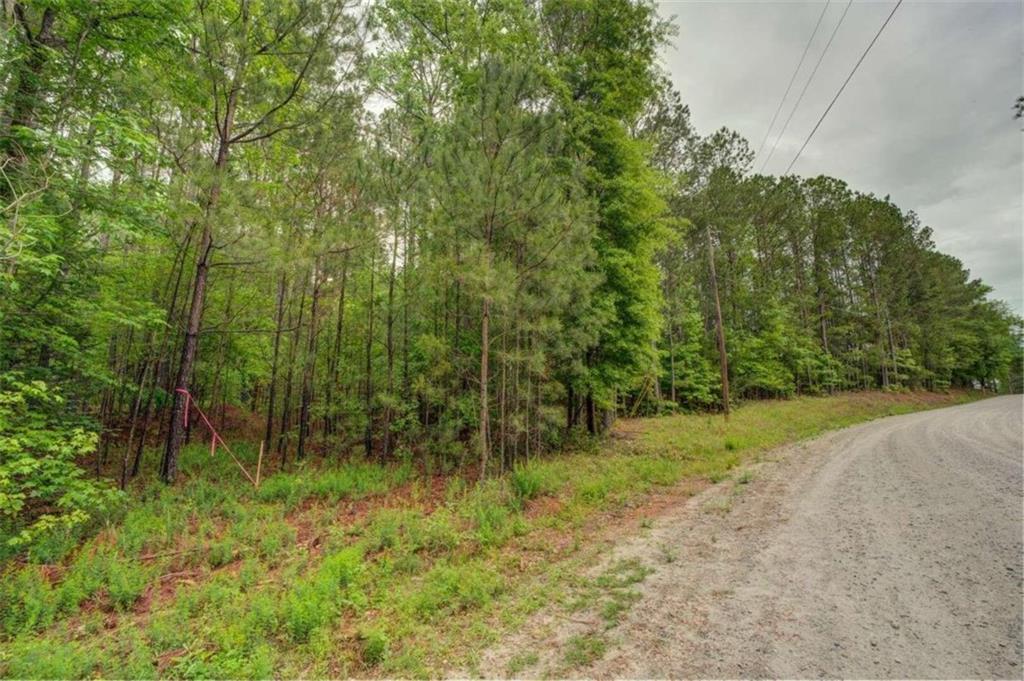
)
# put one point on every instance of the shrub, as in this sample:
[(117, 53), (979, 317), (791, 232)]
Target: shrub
[(40, 658), (375, 646), (275, 537), (29, 602), (487, 507), (447, 589), (221, 553), (318, 600), (533, 480), (438, 533), (142, 530), (43, 491), (350, 481), (284, 487), (125, 583)]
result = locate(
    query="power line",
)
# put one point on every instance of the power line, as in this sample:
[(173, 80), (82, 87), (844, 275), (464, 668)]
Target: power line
[(855, 67), (782, 101), (803, 92)]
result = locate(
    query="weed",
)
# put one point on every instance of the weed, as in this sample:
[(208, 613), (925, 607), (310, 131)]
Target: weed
[(584, 649), (46, 659), (623, 573), (221, 553), (438, 533), (719, 504), (534, 479), (274, 538), (288, 488), (448, 589), (437, 578), (262, 616), (30, 602), (494, 522), (315, 602), (618, 602), (658, 470), (383, 531), (522, 661), (169, 630), (125, 583), (375, 644), (53, 545)]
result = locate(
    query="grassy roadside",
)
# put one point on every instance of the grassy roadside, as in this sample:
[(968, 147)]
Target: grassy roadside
[(359, 569)]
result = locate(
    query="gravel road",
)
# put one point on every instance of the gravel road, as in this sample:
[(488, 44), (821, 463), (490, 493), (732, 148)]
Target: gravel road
[(892, 549)]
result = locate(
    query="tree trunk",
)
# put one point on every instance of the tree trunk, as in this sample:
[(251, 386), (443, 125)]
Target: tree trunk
[(293, 349), (334, 364), (723, 359), (368, 434), (389, 346), (485, 329), (176, 428), (268, 432), (309, 367)]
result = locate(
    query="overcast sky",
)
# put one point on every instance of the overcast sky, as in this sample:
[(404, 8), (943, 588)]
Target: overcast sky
[(927, 118)]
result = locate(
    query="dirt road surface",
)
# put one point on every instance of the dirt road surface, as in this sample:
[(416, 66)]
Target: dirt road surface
[(887, 550)]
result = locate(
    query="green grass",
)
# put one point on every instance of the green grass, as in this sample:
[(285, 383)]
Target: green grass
[(584, 649), (360, 569)]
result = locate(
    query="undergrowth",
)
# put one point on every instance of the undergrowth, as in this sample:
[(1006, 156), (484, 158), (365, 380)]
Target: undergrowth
[(358, 568)]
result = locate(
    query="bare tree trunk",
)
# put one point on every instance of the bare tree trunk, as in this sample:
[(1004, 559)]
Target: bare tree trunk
[(335, 360), (310, 365), (485, 324), (293, 348), (268, 432), (672, 364), (389, 345), (723, 359), (368, 434), (591, 414)]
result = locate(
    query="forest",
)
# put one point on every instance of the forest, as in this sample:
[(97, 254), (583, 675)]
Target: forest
[(447, 234)]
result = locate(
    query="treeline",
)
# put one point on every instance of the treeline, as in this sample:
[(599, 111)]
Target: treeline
[(447, 228)]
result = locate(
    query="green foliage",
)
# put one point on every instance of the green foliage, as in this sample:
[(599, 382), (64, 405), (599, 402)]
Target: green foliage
[(584, 649), (492, 514), (39, 659), (350, 481), (318, 599), (125, 582), (448, 589), (534, 479), (375, 644), (44, 494)]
